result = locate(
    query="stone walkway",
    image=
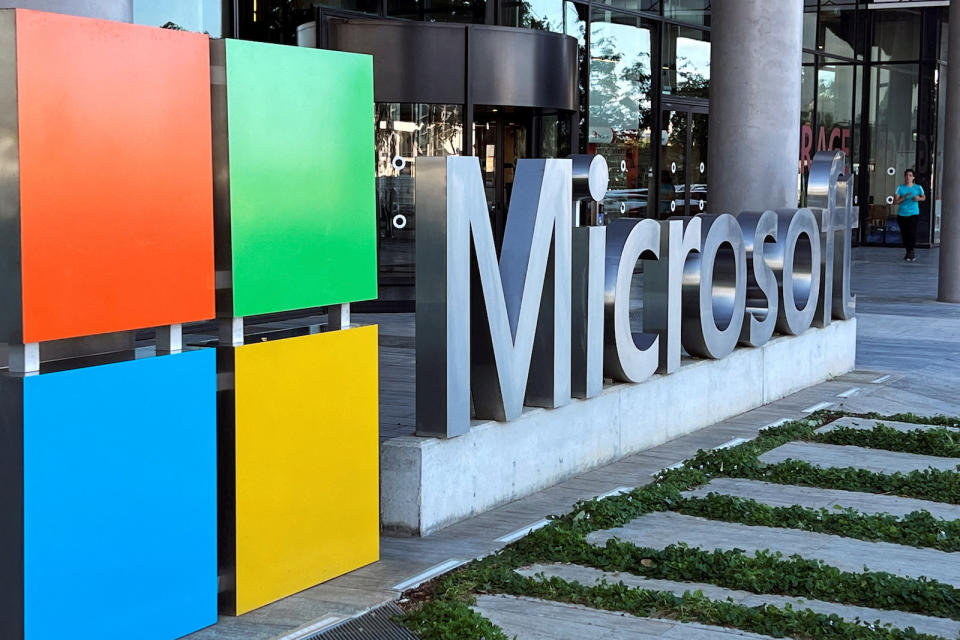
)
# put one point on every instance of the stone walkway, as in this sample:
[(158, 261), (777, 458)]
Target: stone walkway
[(544, 620), (660, 530), (778, 495), (530, 619), (866, 424), (833, 456), (588, 576)]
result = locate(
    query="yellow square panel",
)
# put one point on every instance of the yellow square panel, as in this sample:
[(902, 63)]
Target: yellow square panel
[(307, 487)]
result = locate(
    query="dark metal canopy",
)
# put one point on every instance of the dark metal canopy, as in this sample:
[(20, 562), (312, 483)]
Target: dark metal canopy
[(464, 64)]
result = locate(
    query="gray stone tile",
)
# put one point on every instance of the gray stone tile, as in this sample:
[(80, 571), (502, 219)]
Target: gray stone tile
[(878, 460), (779, 495), (588, 576), (659, 530), (865, 424), (532, 619)]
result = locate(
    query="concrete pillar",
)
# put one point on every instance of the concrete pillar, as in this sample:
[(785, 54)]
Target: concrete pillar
[(949, 285), (118, 10), (754, 143)]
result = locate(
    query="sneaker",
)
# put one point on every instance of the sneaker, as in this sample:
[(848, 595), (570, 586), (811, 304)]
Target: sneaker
[(911, 259)]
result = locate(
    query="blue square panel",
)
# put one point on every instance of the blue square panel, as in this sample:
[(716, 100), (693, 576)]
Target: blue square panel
[(120, 504)]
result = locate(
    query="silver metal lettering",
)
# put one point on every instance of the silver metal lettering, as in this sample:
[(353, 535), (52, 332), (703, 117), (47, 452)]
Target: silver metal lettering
[(443, 297), (589, 249), (760, 314), (503, 301), (844, 302), (628, 357), (714, 289), (796, 264), (662, 284), (830, 193)]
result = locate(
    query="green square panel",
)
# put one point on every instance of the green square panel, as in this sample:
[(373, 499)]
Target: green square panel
[(302, 192)]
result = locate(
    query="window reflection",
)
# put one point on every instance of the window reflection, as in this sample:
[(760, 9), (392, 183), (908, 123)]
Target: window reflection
[(837, 33), (404, 132), (467, 11), (938, 161), (835, 85), (576, 26), (545, 15), (686, 62), (620, 109), (692, 11), (630, 5), (365, 6), (896, 35), (809, 24)]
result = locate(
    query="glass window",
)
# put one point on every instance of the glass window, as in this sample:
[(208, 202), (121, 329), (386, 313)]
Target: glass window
[(620, 116), (545, 15), (365, 6), (855, 158), (893, 121), (938, 169), (630, 5), (403, 132), (552, 136), (835, 91), (837, 32), (896, 35), (468, 11), (944, 37), (807, 103), (810, 24), (686, 62), (272, 20), (576, 26), (692, 11)]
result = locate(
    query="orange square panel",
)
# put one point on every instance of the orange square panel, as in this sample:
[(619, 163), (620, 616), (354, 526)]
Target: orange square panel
[(113, 200)]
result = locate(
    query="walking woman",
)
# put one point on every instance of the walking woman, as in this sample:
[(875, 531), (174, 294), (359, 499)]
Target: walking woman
[(908, 196)]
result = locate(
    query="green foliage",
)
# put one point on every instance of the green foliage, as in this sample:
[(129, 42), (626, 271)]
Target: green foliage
[(450, 620), (940, 420), (918, 529), (934, 442)]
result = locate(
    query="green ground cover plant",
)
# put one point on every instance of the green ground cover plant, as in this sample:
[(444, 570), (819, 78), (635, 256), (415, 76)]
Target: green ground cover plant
[(446, 600), (942, 442)]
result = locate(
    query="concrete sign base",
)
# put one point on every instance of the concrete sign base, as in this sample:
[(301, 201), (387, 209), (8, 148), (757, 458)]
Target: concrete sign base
[(430, 483)]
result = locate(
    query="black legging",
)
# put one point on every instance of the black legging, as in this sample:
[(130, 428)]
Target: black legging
[(908, 230)]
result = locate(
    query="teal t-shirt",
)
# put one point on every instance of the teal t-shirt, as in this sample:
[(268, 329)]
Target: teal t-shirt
[(909, 207)]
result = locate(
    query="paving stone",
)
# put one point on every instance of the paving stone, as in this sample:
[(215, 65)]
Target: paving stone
[(659, 530), (867, 424), (588, 576), (779, 495), (533, 619), (832, 456)]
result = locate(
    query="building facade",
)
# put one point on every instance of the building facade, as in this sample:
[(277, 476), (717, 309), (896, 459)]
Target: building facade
[(872, 84)]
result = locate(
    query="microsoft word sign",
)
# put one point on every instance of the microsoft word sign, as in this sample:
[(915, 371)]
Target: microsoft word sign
[(550, 319)]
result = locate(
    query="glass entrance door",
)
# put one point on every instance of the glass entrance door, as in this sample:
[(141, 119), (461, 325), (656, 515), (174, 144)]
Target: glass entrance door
[(500, 139), (673, 164), (682, 185)]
